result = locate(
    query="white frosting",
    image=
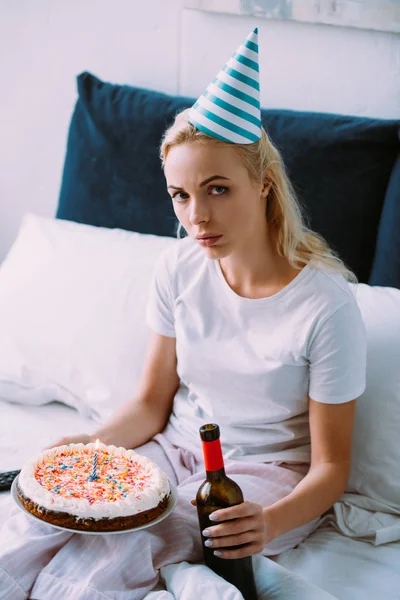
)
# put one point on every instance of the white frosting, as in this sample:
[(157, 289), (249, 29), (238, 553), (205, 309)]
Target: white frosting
[(156, 488)]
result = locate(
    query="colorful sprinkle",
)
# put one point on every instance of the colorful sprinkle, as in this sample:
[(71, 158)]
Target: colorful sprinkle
[(69, 476)]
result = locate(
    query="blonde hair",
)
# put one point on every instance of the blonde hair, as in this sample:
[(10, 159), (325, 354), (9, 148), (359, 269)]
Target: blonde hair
[(294, 240)]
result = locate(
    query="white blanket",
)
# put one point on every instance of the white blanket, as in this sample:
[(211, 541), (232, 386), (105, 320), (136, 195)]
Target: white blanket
[(327, 565), (273, 582)]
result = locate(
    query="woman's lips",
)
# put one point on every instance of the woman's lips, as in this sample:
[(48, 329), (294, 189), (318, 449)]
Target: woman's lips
[(210, 241)]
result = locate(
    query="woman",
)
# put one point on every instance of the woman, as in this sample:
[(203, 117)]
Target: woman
[(253, 327)]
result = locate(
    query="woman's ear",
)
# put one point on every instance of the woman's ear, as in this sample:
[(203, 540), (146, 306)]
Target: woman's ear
[(265, 188)]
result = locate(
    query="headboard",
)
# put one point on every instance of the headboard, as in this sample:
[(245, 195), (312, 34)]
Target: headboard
[(343, 169)]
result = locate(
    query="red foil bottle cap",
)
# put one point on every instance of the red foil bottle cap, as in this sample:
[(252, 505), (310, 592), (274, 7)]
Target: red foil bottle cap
[(213, 458)]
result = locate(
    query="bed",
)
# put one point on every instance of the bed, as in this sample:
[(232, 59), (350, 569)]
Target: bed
[(112, 186), (348, 569)]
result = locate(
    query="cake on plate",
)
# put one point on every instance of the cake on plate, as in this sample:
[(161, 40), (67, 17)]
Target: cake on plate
[(58, 486)]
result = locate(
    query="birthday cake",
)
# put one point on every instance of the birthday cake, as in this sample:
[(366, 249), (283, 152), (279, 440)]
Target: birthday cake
[(125, 490)]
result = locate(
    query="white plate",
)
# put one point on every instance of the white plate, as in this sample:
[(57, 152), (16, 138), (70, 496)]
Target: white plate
[(170, 507)]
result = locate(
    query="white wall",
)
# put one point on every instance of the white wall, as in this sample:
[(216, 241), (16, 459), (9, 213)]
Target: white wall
[(302, 66), (44, 44), (157, 44)]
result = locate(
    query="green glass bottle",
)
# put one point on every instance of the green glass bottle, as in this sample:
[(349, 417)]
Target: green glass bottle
[(219, 491)]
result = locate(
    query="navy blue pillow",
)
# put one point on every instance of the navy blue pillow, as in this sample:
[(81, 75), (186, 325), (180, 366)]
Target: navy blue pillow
[(386, 266), (339, 166)]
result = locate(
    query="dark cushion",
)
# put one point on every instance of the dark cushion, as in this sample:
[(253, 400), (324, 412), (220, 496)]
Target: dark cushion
[(340, 166), (386, 266)]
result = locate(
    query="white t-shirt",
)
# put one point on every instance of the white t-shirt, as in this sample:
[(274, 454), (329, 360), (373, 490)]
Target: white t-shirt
[(250, 364)]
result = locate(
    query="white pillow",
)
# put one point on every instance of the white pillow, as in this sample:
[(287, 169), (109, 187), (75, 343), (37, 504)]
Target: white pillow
[(376, 448), (72, 307)]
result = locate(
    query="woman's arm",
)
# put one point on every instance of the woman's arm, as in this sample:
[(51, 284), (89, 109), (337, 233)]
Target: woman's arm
[(337, 358), (331, 430)]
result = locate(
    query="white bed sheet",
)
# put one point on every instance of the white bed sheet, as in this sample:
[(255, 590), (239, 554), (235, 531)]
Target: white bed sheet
[(349, 569), (26, 430), (327, 561)]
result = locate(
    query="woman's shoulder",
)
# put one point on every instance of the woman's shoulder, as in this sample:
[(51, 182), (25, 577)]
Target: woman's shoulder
[(329, 294), (331, 284), (331, 312)]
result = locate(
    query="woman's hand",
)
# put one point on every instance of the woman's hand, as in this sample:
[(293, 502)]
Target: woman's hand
[(249, 530), (81, 438)]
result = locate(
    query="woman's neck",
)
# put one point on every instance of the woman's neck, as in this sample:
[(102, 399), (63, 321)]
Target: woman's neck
[(257, 270)]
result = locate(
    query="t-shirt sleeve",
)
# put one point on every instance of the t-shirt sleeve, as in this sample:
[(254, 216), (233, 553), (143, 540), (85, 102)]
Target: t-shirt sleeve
[(337, 356), (160, 305)]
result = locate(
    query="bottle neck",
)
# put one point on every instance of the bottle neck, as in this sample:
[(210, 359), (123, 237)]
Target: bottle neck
[(215, 475), (213, 459)]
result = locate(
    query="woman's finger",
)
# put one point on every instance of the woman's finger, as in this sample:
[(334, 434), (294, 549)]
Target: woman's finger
[(244, 509), (246, 550), (247, 537), (230, 528)]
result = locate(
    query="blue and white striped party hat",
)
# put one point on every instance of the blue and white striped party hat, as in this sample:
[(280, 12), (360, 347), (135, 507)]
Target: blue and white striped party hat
[(229, 109)]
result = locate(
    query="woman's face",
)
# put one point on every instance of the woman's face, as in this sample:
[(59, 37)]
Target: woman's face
[(213, 195)]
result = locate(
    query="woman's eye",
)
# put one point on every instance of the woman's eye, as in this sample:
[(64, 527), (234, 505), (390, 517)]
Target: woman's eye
[(220, 189), (183, 196), (178, 196)]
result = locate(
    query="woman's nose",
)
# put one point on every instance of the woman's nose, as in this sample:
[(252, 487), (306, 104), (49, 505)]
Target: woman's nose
[(198, 212)]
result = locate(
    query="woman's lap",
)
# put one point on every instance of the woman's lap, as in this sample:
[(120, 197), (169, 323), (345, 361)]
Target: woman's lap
[(39, 558), (115, 565)]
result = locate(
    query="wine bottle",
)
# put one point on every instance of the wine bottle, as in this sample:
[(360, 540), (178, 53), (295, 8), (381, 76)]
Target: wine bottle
[(219, 491)]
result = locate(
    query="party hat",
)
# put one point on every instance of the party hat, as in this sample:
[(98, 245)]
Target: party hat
[(229, 109)]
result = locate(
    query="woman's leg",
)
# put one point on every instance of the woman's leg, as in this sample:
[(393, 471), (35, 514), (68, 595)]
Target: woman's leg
[(264, 483), (26, 546), (125, 566)]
